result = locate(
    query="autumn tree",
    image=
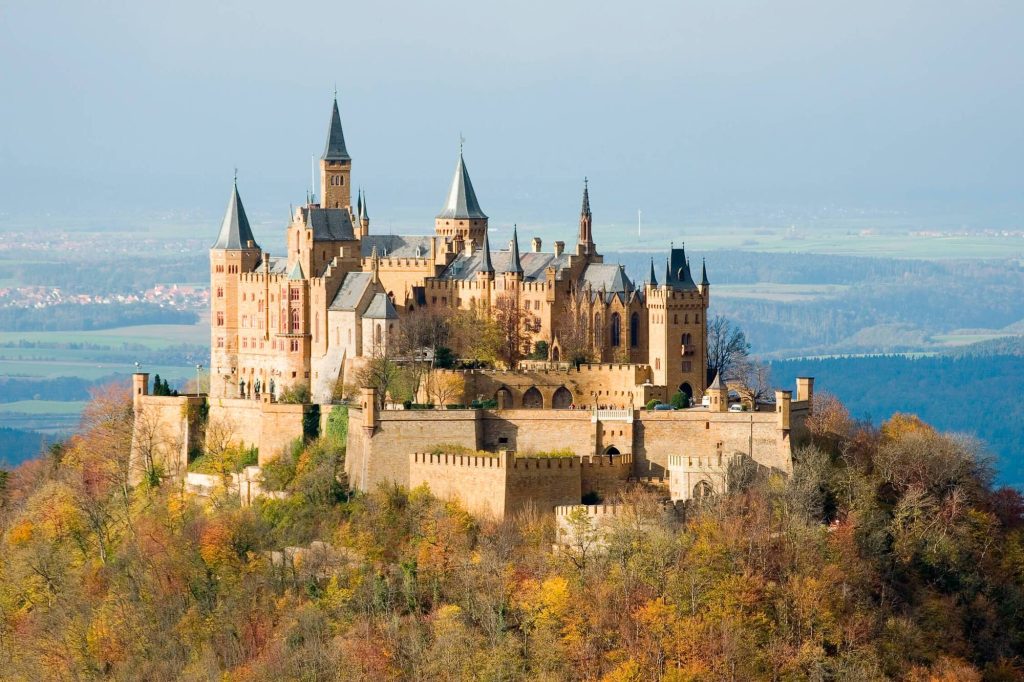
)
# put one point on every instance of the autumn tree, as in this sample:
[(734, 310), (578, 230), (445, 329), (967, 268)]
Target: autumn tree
[(727, 346), (446, 386), (513, 322)]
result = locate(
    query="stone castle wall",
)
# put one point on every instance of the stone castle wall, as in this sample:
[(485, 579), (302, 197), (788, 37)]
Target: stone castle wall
[(500, 485), (166, 430)]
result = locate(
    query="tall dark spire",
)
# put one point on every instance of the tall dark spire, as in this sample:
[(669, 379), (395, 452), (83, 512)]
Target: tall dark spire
[(668, 273), (585, 241), (364, 212), (235, 233), (461, 203), (485, 256), (335, 149), (652, 279), (514, 264), (704, 273), (359, 202)]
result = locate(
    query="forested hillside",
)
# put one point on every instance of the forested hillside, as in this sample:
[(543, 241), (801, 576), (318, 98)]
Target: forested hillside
[(967, 393), (887, 555)]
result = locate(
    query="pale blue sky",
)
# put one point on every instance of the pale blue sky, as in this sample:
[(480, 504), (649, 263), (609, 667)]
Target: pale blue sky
[(682, 108)]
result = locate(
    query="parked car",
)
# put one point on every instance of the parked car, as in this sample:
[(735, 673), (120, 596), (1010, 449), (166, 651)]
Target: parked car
[(663, 407), (736, 407)]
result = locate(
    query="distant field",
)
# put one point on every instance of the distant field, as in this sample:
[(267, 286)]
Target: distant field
[(152, 336), (86, 370), (955, 339), (785, 293), (887, 244)]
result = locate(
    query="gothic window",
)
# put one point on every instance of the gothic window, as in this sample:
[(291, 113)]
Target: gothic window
[(220, 318), (220, 342), (687, 366), (597, 327), (616, 331), (657, 363), (295, 321), (220, 292), (377, 334), (634, 330), (293, 294)]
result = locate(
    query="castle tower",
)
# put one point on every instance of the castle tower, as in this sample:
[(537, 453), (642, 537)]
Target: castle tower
[(514, 269), (677, 338), (335, 166), (585, 243), (719, 394), (461, 218), (234, 253)]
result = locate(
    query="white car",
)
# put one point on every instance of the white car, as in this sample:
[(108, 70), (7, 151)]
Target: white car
[(735, 407)]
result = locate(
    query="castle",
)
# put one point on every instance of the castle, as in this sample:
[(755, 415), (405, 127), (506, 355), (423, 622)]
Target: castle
[(340, 296), (341, 293)]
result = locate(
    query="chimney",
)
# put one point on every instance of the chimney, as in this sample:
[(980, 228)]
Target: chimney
[(469, 248), (559, 247), (535, 244)]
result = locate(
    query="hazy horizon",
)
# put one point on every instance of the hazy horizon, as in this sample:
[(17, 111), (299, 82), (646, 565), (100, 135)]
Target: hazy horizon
[(683, 110)]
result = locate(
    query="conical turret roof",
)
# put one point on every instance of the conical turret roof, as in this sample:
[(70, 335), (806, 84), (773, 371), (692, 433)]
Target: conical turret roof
[(335, 149), (704, 273), (462, 203), (485, 256), (235, 233), (652, 280), (514, 264)]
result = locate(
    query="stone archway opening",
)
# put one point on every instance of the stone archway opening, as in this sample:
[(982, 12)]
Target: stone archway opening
[(503, 397), (562, 399), (554, 354), (532, 399), (612, 450), (703, 490), (686, 389)]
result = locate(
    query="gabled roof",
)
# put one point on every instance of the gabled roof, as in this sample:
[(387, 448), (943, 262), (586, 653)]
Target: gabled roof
[(396, 245), (607, 276), (351, 290), (235, 233), (381, 308), (296, 272), (335, 149), (329, 224), (462, 203)]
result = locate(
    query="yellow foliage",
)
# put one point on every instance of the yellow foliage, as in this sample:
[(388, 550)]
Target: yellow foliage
[(215, 544), (900, 425), (20, 533)]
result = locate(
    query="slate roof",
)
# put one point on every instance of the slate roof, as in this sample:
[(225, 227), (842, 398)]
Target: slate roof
[(381, 308), (534, 264), (278, 265), (330, 224), (351, 290), (235, 233), (335, 149), (396, 245), (461, 203), (607, 276), (296, 272), (515, 264)]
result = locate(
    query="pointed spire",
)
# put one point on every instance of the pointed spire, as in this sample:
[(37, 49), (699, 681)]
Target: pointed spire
[(359, 202), (668, 273), (704, 273), (364, 213), (652, 280), (586, 199), (485, 256), (235, 232), (461, 203), (514, 264), (716, 385), (375, 264), (335, 149)]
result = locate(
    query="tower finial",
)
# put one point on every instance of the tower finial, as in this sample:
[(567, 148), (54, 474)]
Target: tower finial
[(462, 141), (236, 176), (335, 91)]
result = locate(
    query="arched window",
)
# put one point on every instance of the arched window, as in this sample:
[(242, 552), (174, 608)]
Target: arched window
[(616, 331), (533, 399), (597, 329), (634, 330), (702, 490), (562, 399), (295, 321), (378, 334)]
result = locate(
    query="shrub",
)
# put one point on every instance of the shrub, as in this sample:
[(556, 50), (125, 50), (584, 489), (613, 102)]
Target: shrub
[(651, 403), (680, 400), (295, 394)]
